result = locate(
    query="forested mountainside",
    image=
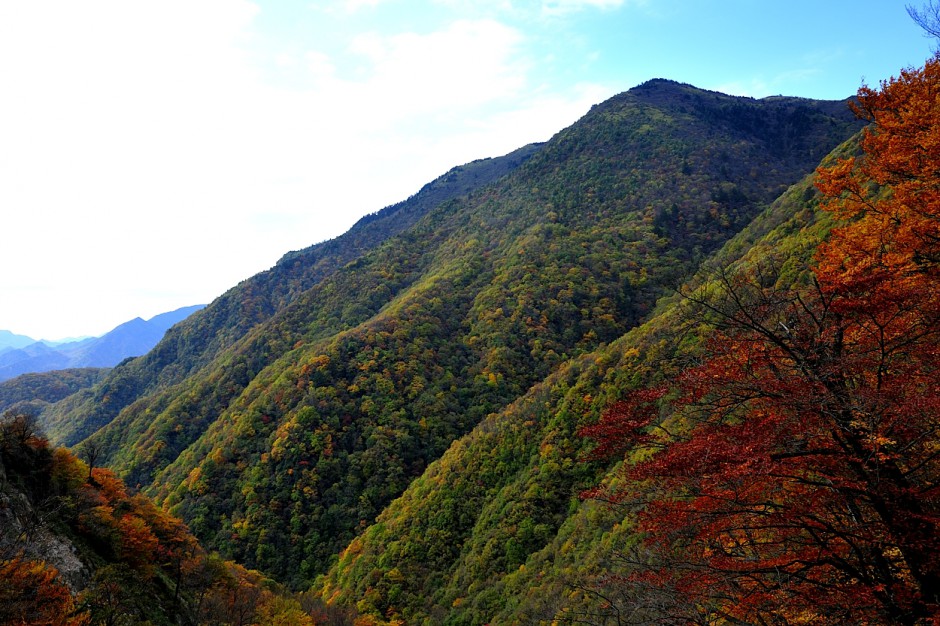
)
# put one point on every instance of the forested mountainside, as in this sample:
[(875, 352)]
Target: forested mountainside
[(196, 342), (281, 447), (77, 548), (762, 451), (33, 393), (498, 531)]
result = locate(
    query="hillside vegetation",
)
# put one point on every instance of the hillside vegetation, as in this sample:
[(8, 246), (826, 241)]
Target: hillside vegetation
[(763, 450), (497, 530), (76, 548), (195, 343), (281, 420), (34, 393), (790, 474)]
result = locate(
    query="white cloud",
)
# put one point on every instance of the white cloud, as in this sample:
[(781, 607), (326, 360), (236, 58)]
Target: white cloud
[(564, 7), (351, 6), (488, 6), (319, 66), (124, 124), (529, 9), (146, 162), (467, 64)]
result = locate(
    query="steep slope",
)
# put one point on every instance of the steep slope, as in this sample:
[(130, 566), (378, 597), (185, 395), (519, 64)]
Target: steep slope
[(34, 392), (77, 548), (195, 343), (495, 531), (305, 429)]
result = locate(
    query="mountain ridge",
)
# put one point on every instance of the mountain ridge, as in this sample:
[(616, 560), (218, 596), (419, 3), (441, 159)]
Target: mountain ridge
[(321, 412), (496, 529), (228, 319), (129, 339), (10, 340)]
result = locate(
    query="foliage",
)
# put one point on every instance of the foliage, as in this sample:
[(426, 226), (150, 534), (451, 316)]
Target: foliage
[(293, 440), (494, 531), (146, 566), (280, 421), (794, 477), (34, 392), (206, 340), (31, 594), (325, 414)]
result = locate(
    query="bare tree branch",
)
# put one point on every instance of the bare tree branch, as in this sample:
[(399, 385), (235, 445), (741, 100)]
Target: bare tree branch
[(928, 17)]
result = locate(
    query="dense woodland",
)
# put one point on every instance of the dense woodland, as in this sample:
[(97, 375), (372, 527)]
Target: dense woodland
[(791, 474), (77, 548), (289, 442), (660, 369), (33, 393)]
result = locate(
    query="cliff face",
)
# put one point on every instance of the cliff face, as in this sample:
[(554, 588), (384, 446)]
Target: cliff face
[(76, 548), (26, 530), (34, 503)]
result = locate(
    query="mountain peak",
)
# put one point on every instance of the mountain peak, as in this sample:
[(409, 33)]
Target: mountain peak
[(660, 83), (132, 338), (10, 339)]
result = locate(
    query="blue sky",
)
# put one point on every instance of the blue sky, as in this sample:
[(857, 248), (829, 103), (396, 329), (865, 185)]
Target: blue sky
[(155, 153)]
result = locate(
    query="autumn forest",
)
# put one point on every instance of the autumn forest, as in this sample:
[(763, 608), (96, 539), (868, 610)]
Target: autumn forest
[(677, 365)]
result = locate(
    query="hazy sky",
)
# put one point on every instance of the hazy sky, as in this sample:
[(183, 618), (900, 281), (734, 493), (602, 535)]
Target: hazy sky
[(155, 153)]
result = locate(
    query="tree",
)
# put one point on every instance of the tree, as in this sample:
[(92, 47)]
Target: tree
[(114, 597), (91, 451), (19, 429), (31, 593), (233, 597), (279, 610), (794, 475), (927, 17)]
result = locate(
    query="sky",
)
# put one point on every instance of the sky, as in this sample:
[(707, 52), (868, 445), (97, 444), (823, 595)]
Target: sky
[(154, 153)]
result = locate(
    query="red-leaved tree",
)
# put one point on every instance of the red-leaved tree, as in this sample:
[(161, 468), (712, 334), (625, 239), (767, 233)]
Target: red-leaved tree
[(792, 477)]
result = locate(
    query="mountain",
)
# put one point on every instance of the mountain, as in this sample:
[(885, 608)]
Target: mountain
[(76, 548), (165, 321), (497, 531), (38, 353), (11, 340), (280, 421), (196, 342), (130, 339), (34, 392)]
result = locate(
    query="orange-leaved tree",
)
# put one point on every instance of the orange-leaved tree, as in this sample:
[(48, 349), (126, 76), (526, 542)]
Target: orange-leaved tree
[(795, 477), (31, 593)]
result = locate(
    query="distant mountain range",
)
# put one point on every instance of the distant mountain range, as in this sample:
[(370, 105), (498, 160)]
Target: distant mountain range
[(10, 340), (20, 354)]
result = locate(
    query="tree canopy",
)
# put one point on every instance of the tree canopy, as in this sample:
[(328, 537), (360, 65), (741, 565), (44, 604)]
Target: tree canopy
[(792, 475)]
